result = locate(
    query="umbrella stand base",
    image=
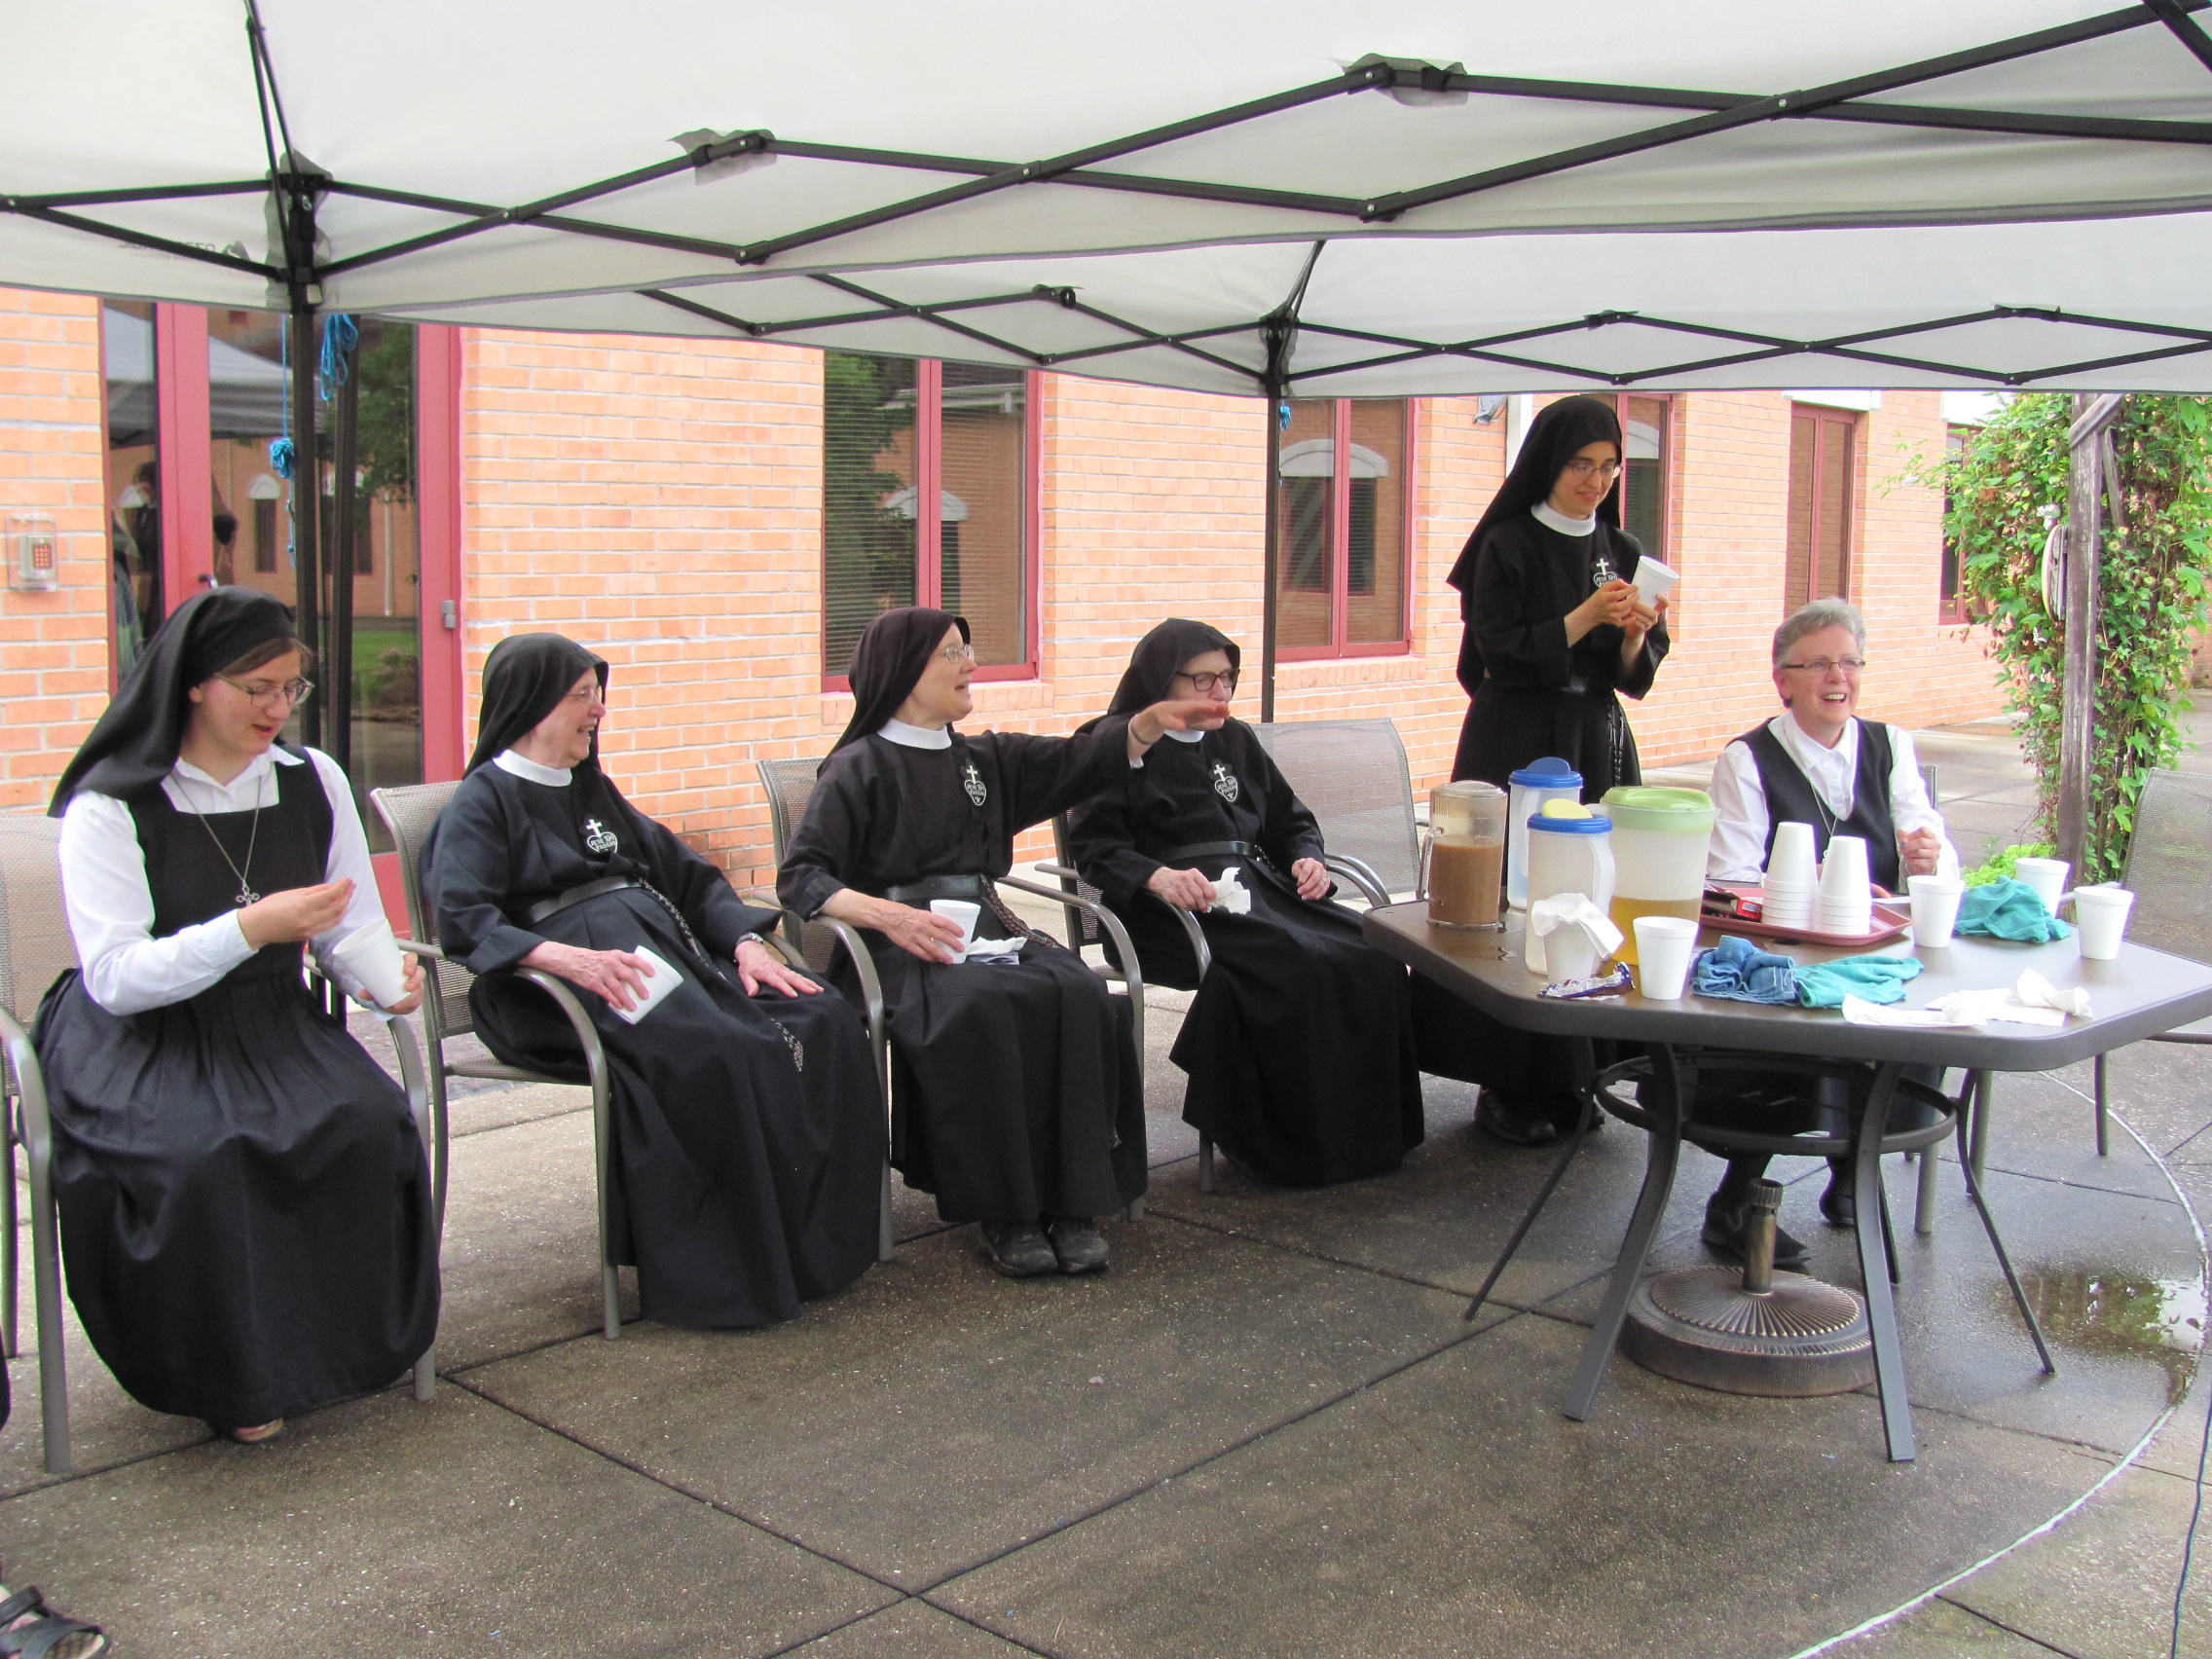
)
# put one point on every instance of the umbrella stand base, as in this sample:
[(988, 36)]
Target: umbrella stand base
[(1801, 1338)]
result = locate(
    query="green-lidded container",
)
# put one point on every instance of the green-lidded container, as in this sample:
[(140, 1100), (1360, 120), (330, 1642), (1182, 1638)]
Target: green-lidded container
[(1660, 838)]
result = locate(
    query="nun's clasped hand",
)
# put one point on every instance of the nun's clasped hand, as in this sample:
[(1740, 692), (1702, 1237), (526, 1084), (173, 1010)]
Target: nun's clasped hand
[(616, 976)]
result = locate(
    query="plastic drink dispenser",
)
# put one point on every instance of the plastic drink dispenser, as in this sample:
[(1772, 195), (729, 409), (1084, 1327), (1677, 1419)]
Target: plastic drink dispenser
[(1570, 850), (1466, 853), (1534, 786), (1660, 838)]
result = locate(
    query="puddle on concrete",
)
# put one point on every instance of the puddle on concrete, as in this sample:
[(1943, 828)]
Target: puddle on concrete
[(2119, 1314)]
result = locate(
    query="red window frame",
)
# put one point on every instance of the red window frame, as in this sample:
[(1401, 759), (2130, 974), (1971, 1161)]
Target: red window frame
[(1341, 645), (929, 522)]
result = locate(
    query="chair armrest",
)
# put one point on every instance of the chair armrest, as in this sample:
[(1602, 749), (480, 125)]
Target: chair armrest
[(1131, 976), (415, 948), (587, 1034), (36, 1130), (1361, 875), (1059, 870)]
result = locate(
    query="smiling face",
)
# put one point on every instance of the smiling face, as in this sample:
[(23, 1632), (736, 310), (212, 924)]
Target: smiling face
[(940, 698), (1586, 479), (563, 737), (237, 717), (1823, 702)]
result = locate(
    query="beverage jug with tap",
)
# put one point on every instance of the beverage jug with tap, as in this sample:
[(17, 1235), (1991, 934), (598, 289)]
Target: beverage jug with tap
[(1464, 873), (1534, 786), (1570, 851), (1660, 838)]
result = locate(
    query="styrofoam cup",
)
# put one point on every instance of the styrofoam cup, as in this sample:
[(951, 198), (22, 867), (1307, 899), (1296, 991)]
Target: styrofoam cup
[(1654, 581), (965, 912), (2048, 877), (1790, 862), (1570, 953), (1934, 909), (1843, 872), (1664, 947), (369, 954), (2101, 913)]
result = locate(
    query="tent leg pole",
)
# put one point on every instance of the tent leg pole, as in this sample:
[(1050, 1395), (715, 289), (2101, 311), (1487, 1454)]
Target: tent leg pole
[(306, 502), (1268, 584)]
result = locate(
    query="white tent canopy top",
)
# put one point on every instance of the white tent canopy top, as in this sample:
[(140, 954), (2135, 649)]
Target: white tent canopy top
[(1432, 198)]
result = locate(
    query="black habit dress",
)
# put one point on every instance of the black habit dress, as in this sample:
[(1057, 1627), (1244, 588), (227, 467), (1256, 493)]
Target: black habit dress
[(748, 1130), (1017, 1089), (1299, 1046), (1533, 694), (244, 1202)]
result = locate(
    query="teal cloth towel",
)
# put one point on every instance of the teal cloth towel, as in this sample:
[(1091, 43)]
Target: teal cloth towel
[(2009, 909), (1870, 978)]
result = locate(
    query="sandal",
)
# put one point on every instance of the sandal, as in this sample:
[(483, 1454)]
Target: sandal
[(47, 1635)]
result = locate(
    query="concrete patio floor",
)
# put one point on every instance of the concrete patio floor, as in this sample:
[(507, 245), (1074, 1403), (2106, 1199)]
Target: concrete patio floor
[(1266, 1431)]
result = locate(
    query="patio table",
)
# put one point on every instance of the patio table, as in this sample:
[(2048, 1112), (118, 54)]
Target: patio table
[(2142, 992)]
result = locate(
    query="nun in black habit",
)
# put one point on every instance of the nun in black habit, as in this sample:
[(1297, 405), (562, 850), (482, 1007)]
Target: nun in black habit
[(244, 1202), (1017, 1089), (1299, 1047), (749, 1137)]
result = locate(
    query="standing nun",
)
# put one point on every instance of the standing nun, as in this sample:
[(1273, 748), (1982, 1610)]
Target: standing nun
[(1017, 1087), (244, 1202), (1300, 1047), (748, 1129), (1554, 633)]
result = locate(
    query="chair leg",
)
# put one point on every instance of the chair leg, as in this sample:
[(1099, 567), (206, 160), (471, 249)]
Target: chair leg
[(1997, 1244), (1135, 1210), (426, 1374), (1924, 1210), (1205, 1164), (885, 1246), (2103, 1146), (45, 1301), (10, 1268)]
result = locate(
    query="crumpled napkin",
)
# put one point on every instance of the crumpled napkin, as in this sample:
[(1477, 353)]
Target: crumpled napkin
[(999, 950), (1547, 916), (2009, 909), (2033, 1001), (1869, 978), (1740, 971)]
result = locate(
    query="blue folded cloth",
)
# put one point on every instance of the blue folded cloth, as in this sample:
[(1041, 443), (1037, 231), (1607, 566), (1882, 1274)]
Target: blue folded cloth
[(1738, 969), (1870, 978), (2009, 909)]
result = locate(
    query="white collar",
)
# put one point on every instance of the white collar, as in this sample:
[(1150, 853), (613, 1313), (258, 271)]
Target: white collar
[(1186, 736), (247, 773), (531, 771), (1550, 519), (1809, 751), (916, 737)]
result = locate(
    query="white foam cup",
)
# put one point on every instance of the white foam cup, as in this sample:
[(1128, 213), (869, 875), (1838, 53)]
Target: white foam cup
[(2101, 913), (1790, 864), (369, 954), (1664, 947), (1843, 872), (1654, 581), (1570, 953), (1934, 909), (2048, 877), (965, 912)]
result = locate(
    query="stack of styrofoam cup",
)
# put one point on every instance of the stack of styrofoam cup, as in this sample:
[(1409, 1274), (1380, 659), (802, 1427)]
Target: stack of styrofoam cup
[(1845, 902), (1790, 877)]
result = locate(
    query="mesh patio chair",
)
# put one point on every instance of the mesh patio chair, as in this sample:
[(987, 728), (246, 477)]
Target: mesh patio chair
[(791, 784), (36, 948), (2169, 870)]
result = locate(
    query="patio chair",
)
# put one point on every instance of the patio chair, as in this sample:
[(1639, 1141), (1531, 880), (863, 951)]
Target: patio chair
[(789, 785), (35, 949), (2169, 870)]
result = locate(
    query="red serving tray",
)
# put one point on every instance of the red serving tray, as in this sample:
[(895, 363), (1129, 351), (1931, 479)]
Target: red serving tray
[(1893, 918)]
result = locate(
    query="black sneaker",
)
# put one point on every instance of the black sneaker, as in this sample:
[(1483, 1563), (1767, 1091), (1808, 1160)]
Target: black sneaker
[(1564, 1107), (1516, 1119), (1839, 1206), (1018, 1248), (1725, 1226), (1078, 1244)]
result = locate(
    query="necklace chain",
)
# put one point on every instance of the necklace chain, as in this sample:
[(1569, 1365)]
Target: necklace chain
[(245, 893)]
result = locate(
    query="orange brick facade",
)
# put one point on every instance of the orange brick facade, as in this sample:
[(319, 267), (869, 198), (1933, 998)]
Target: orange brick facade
[(661, 501)]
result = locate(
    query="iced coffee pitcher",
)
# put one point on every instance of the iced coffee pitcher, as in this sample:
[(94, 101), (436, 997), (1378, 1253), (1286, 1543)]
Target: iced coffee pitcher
[(1464, 866)]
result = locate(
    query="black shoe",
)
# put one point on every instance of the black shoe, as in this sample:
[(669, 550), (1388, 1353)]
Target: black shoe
[(1725, 1226), (1564, 1107), (1077, 1244), (1838, 1203), (1018, 1248), (1516, 1119)]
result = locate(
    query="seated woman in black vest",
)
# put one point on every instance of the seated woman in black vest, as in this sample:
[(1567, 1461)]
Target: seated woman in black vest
[(1816, 762)]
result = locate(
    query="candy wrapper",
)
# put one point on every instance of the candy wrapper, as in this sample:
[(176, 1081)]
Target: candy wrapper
[(1602, 985)]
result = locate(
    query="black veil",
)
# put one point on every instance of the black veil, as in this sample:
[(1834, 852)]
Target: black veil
[(1559, 430), (888, 661), (525, 679)]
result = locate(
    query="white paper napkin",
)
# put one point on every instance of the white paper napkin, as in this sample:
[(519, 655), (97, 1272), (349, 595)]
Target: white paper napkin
[(1564, 909), (2031, 1000)]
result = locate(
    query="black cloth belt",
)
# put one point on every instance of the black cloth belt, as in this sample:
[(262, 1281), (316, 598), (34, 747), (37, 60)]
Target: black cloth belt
[(560, 901), (1577, 685), (1212, 850), (977, 887)]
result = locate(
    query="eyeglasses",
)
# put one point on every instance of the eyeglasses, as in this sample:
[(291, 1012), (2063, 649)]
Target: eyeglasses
[(1203, 684), (1821, 665), (960, 652), (292, 691), (1582, 467)]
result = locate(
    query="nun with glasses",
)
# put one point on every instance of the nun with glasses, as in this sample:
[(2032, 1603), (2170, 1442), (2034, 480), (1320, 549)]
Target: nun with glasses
[(1017, 1087), (244, 1198), (748, 1132), (1555, 636), (1300, 1045)]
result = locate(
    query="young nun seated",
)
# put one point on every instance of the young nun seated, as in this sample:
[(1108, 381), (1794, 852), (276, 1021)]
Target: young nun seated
[(1300, 1047), (244, 1198), (1017, 1089), (749, 1137)]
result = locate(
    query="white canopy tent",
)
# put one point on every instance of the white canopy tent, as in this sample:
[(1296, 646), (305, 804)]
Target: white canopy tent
[(1440, 196)]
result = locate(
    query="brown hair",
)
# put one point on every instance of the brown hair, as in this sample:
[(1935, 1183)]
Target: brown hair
[(268, 652)]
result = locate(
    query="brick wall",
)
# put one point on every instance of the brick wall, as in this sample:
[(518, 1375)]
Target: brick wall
[(53, 646)]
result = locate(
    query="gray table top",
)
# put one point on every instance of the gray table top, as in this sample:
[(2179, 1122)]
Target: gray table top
[(2140, 994)]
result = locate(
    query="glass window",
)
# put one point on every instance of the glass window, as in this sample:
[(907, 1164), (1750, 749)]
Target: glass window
[(926, 500), (1819, 546), (133, 476), (387, 747), (1951, 603), (1345, 527), (1646, 472)]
